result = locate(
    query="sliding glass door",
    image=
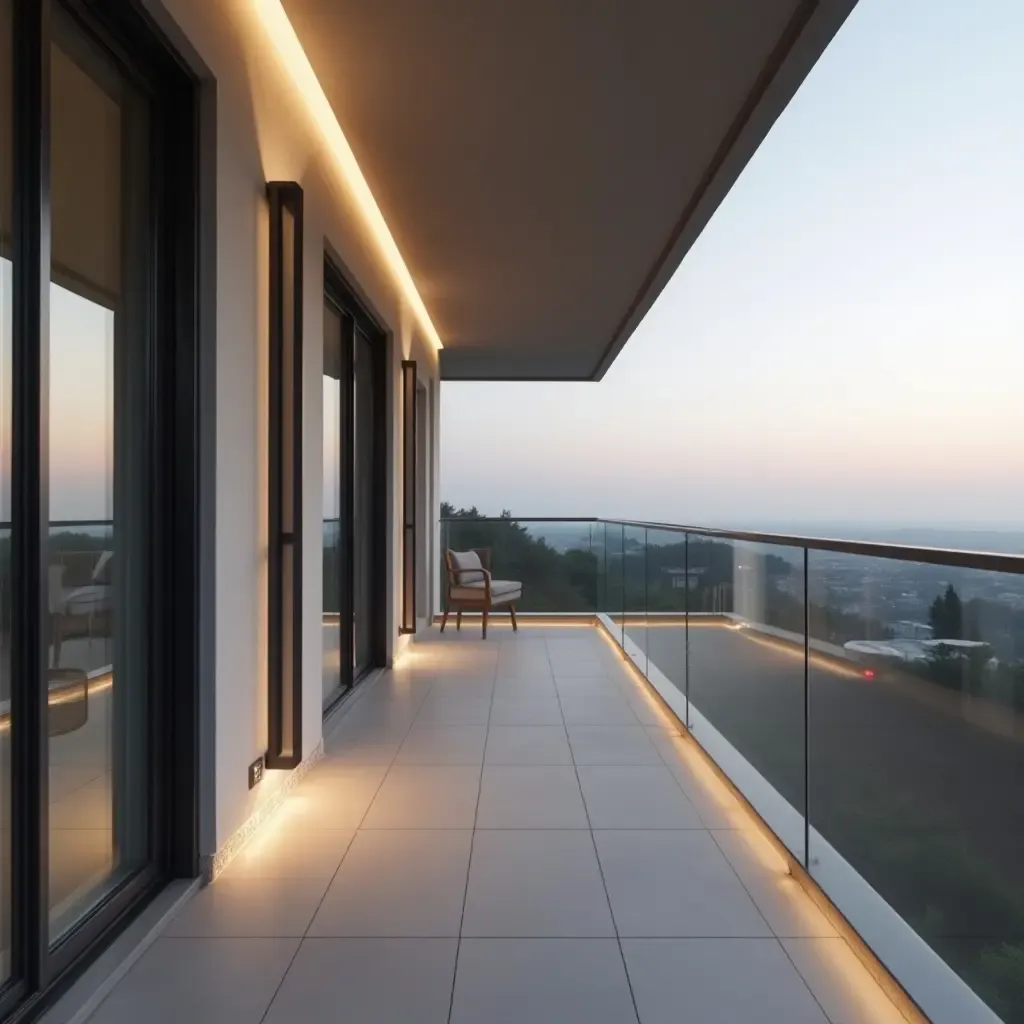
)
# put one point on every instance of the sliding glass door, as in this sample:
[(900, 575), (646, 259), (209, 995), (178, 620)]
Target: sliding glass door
[(6, 594), (97, 527), (353, 503), (97, 544), (335, 681)]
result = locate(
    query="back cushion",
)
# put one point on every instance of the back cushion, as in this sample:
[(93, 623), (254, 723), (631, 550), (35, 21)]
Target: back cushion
[(467, 560)]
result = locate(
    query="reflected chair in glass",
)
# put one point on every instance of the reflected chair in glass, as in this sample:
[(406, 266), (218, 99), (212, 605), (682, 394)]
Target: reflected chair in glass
[(471, 587)]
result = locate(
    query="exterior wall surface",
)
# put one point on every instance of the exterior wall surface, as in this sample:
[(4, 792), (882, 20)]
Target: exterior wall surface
[(262, 130)]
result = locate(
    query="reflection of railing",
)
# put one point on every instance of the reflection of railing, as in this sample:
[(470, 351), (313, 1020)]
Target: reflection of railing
[(867, 699)]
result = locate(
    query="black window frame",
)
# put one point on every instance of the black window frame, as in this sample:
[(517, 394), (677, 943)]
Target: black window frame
[(128, 36), (356, 314)]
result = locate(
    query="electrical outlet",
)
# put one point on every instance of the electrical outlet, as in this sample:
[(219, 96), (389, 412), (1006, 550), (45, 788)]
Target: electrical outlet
[(256, 772)]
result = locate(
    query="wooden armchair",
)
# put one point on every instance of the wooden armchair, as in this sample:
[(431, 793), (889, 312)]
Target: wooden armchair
[(470, 586)]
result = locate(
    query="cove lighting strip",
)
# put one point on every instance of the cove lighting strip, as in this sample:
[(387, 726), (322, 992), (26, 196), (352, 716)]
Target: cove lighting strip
[(281, 35)]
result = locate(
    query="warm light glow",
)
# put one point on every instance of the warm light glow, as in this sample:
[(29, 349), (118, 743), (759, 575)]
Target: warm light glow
[(864, 996), (525, 622), (836, 956), (279, 33), (784, 647), (98, 684)]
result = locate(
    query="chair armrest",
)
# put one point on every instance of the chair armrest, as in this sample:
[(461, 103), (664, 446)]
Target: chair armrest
[(457, 573)]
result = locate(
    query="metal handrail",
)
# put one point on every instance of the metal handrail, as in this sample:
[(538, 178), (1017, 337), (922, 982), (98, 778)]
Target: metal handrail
[(988, 561)]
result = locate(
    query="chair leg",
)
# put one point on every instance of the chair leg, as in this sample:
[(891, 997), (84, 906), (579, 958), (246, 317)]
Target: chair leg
[(512, 612), (485, 624), (458, 620), (444, 620)]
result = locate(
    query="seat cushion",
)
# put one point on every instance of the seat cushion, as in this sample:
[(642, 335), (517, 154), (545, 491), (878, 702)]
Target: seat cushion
[(501, 590), (467, 560)]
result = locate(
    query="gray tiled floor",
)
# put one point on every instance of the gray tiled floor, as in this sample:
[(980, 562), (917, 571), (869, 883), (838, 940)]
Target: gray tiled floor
[(501, 832)]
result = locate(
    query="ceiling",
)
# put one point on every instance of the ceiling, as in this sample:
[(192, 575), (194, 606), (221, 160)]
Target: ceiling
[(544, 165)]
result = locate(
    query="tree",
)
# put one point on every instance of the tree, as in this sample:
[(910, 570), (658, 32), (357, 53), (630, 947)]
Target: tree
[(946, 616)]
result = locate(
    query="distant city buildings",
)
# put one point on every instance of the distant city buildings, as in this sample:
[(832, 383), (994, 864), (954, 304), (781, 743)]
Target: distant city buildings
[(684, 579)]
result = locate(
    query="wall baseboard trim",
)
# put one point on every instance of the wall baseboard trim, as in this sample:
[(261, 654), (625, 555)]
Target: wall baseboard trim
[(211, 865)]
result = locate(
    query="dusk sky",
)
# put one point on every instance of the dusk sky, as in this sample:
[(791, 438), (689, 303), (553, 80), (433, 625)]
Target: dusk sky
[(845, 342)]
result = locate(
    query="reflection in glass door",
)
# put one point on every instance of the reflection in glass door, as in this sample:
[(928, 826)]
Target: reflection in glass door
[(332, 505), (352, 495), (363, 505), (95, 679), (6, 309), (98, 483)]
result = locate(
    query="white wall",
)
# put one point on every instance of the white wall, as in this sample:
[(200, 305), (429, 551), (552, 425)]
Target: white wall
[(264, 132)]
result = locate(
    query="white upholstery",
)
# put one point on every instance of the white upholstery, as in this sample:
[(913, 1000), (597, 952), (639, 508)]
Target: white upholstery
[(467, 560), (502, 591)]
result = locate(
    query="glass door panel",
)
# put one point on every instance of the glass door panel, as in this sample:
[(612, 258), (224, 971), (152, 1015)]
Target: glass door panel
[(333, 506), (363, 508), (96, 678), (6, 310)]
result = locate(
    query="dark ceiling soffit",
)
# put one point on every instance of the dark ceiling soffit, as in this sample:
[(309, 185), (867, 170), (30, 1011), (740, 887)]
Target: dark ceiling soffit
[(482, 364), (776, 59)]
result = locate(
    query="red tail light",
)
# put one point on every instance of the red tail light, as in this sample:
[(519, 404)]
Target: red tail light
[(869, 673)]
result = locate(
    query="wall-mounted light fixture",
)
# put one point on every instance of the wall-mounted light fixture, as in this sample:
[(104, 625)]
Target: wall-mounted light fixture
[(409, 457), (284, 570)]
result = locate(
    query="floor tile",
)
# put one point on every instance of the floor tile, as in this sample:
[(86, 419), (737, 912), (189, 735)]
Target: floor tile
[(674, 883), (367, 981), (427, 796), (535, 884), (358, 744), (541, 981), (395, 882), (635, 796), (573, 668), (527, 744), (587, 686), (530, 796), (611, 744), (651, 713), (455, 710), (535, 686), (428, 743), (840, 982), (716, 804), (202, 981), (291, 852), (784, 904), (334, 795), (453, 686), (526, 711), (717, 981), (613, 710), (236, 907)]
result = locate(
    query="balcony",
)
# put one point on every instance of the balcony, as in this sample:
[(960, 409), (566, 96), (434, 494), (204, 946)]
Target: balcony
[(867, 700), (505, 831), (753, 778)]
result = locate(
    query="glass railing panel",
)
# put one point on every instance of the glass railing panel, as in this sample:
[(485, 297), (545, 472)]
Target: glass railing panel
[(554, 560), (667, 581), (746, 673), (917, 767), (614, 588), (634, 591)]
